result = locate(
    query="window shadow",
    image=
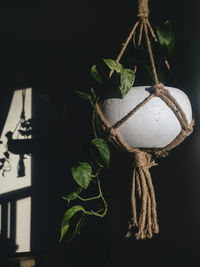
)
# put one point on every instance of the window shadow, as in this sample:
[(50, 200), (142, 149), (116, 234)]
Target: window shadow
[(8, 203)]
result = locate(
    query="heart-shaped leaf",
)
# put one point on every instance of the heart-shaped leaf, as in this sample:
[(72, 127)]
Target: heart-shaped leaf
[(73, 195), (127, 78), (103, 150), (65, 225), (82, 174), (166, 36), (95, 74), (113, 65)]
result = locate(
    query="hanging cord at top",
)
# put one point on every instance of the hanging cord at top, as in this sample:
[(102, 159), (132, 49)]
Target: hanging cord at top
[(143, 21)]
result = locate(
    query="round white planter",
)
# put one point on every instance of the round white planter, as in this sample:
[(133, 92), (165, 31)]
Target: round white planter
[(154, 125)]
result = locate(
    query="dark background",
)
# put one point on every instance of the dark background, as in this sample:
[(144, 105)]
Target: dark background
[(51, 46)]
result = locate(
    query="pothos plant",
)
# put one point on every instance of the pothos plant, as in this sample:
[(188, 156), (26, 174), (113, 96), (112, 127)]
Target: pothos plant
[(86, 173)]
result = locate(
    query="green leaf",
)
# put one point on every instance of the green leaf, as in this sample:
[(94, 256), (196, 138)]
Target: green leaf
[(127, 78), (73, 195), (166, 36), (169, 37), (82, 174), (161, 35), (113, 65), (95, 74), (69, 214), (103, 150)]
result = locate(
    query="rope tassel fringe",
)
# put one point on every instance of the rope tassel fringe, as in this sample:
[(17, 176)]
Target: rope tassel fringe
[(143, 197)]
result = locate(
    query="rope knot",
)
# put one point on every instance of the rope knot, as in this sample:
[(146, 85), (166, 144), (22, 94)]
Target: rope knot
[(143, 9), (140, 158), (158, 89), (143, 14), (143, 159), (112, 132)]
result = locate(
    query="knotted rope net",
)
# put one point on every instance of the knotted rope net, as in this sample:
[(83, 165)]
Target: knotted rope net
[(144, 214)]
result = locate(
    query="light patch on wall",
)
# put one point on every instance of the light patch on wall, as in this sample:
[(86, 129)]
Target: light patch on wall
[(10, 181), (23, 224)]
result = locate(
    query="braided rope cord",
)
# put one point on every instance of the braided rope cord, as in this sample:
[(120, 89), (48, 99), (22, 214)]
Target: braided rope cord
[(143, 195)]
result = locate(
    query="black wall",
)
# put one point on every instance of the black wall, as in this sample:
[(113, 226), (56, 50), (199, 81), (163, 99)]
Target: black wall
[(51, 46)]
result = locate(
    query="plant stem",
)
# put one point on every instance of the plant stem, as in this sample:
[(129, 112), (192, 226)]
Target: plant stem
[(96, 213), (95, 175), (102, 197), (96, 99), (93, 93), (88, 199)]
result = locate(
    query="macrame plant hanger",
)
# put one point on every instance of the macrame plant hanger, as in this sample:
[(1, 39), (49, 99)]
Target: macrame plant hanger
[(144, 214)]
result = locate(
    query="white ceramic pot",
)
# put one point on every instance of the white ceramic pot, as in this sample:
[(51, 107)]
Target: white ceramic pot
[(154, 125)]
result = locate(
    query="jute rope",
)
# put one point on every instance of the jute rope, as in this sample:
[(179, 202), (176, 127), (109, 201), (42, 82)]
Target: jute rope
[(144, 214)]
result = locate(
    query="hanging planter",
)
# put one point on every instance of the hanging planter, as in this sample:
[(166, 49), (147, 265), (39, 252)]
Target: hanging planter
[(148, 120), (145, 121)]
